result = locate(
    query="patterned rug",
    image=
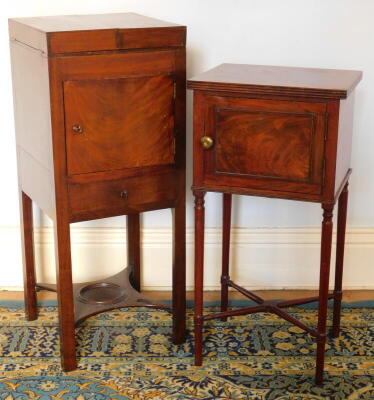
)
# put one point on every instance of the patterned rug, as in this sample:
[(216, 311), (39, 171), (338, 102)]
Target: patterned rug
[(128, 354)]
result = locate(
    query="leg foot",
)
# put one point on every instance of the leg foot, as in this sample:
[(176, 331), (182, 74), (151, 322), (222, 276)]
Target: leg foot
[(320, 360), (179, 272), (340, 241), (28, 257), (65, 295), (133, 249), (198, 341), (199, 273), (326, 240), (226, 225)]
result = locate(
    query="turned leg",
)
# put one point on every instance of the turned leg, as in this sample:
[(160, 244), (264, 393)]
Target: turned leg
[(340, 242), (226, 225), (28, 257), (179, 272), (65, 294), (326, 240), (133, 249), (199, 273)]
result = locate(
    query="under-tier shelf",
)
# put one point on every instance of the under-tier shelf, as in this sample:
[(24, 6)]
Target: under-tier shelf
[(92, 298)]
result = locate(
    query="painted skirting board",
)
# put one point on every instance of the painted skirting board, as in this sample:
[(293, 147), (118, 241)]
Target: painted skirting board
[(261, 258)]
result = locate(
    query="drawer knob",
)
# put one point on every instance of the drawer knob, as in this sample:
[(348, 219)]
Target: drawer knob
[(77, 129), (206, 142), (124, 194)]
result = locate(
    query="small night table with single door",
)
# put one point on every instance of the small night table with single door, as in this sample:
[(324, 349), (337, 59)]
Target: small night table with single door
[(274, 132)]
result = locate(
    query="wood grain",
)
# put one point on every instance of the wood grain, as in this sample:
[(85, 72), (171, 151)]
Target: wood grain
[(226, 228), (199, 274), (65, 34), (266, 79), (122, 195), (100, 121), (126, 123), (179, 267), (275, 132), (324, 275), (133, 249), (258, 141), (269, 144)]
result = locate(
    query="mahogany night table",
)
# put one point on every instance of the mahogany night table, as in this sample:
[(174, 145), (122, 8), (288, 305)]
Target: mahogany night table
[(275, 132), (100, 125)]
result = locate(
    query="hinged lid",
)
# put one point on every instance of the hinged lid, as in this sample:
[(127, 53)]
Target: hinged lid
[(289, 81), (84, 33)]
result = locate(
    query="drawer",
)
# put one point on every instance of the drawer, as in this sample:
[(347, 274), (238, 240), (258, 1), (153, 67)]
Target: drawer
[(123, 196), (261, 144)]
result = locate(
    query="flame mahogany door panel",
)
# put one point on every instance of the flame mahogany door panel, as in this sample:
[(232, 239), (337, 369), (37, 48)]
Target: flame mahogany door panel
[(121, 114), (258, 143), (119, 123)]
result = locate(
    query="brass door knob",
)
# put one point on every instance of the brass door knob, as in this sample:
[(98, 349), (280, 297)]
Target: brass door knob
[(77, 129), (206, 142), (124, 194)]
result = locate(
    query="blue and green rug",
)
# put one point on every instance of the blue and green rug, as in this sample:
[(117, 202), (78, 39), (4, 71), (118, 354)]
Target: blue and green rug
[(128, 354)]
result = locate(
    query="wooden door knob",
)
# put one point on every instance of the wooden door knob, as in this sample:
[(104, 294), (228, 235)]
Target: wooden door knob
[(207, 142)]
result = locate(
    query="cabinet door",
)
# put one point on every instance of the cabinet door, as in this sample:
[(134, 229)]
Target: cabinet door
[(119, 122), (264, 144)]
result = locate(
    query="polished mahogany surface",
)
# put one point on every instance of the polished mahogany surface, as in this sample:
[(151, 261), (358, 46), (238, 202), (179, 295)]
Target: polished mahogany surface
[(327, 83), (82, 33), (278, 132), (100, 128), (102, 133), (257, 141), (288, 158)]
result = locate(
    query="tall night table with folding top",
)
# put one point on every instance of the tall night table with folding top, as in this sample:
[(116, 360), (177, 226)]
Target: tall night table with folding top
[(274, 132), (100, 124)]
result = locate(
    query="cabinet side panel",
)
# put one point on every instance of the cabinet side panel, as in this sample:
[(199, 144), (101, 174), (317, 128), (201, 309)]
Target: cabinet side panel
[(28, 35), (343, 159), (36, 181), (31, 103), (33, 124), (180, 108)]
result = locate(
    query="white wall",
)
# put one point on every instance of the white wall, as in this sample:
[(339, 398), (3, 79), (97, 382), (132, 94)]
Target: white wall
[(317, 33)]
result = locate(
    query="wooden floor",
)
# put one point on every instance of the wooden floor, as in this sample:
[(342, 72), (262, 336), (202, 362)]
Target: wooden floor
[(349, 295)]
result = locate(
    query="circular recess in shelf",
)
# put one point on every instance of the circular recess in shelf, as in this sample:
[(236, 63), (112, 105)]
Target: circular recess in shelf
[(102, 293)]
